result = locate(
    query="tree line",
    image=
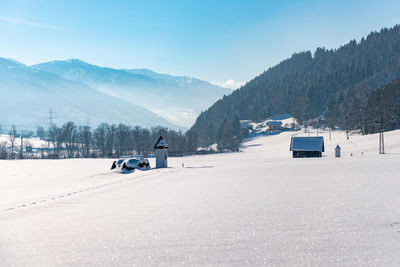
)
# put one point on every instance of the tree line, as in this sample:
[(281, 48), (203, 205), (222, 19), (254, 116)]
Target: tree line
[(107, 140), (369, 111)]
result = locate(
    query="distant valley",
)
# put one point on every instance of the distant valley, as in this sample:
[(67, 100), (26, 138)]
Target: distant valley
[(177, 99), (84, 93)]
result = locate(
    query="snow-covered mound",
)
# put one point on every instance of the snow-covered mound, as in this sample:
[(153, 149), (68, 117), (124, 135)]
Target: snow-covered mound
[(130, 164)]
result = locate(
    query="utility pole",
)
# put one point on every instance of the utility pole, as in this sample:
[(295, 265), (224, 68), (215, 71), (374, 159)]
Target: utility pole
[(381, 139), (381, 143), (51, 117), (21, 155), (51, 123), (329, 133)]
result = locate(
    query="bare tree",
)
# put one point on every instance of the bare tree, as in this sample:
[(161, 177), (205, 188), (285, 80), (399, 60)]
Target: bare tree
[(12, 139), (28, 148), (100, 138), (69, 135), (3, 150)]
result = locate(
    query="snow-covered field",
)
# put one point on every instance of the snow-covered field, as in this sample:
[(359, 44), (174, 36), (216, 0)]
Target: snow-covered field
[(256, 207)]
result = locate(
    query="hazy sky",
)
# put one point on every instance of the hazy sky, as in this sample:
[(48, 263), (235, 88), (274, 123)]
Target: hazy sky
[(212, 40)]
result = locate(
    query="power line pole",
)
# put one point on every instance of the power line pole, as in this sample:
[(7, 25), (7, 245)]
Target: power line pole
[(329, 133), (381, 139), (381, 143), (51, 117), (51, 123), (22, 148)]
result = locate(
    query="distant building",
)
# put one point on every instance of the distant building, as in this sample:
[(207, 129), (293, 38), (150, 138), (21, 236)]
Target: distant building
[(274, 125), (307, 147), (161, 148), (246, 126)]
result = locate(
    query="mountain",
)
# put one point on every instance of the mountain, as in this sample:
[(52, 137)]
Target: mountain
[(306, 84), (178, 99), (29, 93)]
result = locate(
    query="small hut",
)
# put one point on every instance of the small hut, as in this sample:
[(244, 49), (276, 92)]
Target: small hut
[(161, 148), (307, 147)]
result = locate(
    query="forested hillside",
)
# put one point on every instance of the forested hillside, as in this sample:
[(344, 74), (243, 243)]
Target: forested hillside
[(368, 112), (307, 83)]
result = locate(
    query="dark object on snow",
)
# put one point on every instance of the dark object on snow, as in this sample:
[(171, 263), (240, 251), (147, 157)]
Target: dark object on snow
[(136, 163), (337, 151), (127, 168), (129, 164), (144, 164), (114, 165), (307, 147)]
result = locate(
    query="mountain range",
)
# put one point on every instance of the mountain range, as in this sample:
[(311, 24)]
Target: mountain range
[(178, 99), (79, 91)]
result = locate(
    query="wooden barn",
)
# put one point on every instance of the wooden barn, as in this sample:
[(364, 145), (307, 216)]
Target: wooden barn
[(307, 147)]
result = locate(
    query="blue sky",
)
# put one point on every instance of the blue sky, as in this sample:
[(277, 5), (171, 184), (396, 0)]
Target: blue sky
[(212, 40)]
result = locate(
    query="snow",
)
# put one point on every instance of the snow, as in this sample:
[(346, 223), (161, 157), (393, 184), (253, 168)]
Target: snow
[(36, 142), (256, 207)]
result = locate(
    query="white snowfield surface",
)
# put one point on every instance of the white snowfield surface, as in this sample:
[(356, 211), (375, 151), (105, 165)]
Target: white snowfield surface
[(252, 208)]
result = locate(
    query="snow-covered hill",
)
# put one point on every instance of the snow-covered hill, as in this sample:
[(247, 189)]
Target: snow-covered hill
[(178, 99), (257, 207), (27, 94)]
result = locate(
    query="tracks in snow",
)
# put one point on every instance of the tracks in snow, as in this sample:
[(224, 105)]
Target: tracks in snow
[(84, 190)]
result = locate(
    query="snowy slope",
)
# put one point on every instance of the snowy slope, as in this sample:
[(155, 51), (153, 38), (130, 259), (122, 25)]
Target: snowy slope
[(178, 99), (29, 93), (252, 208)]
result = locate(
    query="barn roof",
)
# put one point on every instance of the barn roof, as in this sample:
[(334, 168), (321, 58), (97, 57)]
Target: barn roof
[(161, 143), (315, 143)]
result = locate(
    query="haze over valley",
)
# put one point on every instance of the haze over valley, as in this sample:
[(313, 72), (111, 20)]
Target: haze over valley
[(78, 91)]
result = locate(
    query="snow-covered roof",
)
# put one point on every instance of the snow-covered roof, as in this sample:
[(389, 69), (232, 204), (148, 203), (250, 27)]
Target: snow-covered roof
[(315, 143), (161, 143), (274, 122)]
